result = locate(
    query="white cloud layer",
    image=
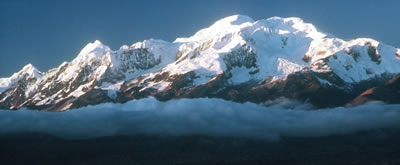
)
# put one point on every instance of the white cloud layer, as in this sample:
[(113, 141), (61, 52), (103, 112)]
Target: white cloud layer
[(213, 117)]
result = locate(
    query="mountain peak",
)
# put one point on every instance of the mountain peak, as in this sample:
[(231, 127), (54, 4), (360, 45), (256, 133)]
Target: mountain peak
[(219, 28), (233, 20), (90, 51), (237, 23), (97, 42), (29, 67), (294, 25), (92, 46), (28, 71)]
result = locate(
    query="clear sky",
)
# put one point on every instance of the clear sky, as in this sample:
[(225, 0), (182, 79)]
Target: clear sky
[(48, 32)]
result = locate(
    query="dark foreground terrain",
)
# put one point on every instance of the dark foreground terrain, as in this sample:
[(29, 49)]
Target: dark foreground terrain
[(381, 147)]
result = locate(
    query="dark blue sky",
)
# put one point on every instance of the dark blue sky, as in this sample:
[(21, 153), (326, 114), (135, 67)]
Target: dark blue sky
[(48, 32)]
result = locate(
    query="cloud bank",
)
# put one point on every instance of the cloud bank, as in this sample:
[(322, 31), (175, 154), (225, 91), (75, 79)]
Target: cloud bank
[(212, 117)]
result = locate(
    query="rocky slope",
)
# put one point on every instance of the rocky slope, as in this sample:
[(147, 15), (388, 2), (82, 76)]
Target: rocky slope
[(236, 58), (387, 93)]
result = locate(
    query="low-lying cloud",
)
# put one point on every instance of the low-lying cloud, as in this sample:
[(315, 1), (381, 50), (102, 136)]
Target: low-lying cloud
[(213, 117)]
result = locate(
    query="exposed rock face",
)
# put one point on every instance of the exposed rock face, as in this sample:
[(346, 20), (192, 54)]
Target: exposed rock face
[(388, 93), (304, 86), (236, 59)]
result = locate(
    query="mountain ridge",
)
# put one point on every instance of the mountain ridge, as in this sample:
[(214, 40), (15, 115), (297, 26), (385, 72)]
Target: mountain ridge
[(236, 58)]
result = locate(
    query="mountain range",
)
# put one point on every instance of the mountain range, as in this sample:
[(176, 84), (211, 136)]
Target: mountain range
[(236, 59)]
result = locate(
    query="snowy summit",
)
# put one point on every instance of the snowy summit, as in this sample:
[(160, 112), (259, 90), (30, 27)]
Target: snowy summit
[(236, 58)]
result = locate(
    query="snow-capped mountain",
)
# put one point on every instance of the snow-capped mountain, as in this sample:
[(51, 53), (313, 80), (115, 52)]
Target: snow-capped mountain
[(236, 58)]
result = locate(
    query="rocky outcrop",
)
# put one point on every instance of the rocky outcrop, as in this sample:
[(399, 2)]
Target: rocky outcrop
[(387, 93)]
